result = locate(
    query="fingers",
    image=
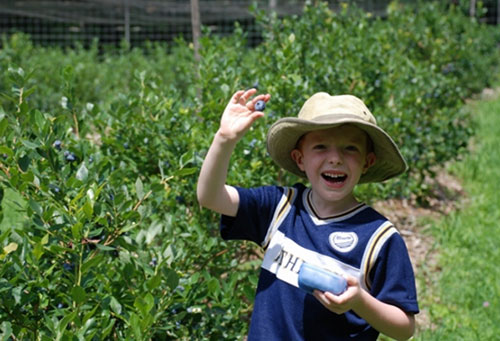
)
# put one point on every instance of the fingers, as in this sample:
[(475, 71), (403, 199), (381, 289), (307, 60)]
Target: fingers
[(331, 302), (328, 298), (255, 115), (243, 96), (247, 95), (237, 96)]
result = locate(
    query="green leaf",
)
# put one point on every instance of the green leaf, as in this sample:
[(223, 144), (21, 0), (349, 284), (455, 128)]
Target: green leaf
[(213, 285), (91, 196), (29, 144), (185, 171), (36, 207), (24, 163), (149, 301), (186, 158), (105, 332), (169, 254), (23, 108), (90, 314), (3, 126), (16, 74), (38, 250), (7, 151), (45, 239), (82, 174), (225, 89), (144, 304), (39, 120), (76, 230), (154, 282), (90, 262), (88, 209), (64, 323), (67, 73), (28, 92), (139, 189), (78, 294), (8, 249), (9, 98), (172, 279), (77, 197), (134, 322), (153, 231), (6, 328), (249, 292), (115, 305), (105, 247), (17, 293)]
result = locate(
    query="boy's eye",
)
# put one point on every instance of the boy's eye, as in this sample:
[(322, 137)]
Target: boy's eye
[(319, 146), (352, 148)]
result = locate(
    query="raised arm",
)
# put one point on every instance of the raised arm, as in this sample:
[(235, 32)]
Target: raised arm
[(212, 191)]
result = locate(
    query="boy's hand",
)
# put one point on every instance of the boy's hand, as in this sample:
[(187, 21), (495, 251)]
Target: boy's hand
[(240, 113), (343, 302), (386, 318)]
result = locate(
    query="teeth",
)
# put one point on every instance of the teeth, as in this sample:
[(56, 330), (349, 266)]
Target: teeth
[(334, 176)]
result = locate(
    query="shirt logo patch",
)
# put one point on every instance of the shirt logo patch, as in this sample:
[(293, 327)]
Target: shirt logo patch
[(343, 241)]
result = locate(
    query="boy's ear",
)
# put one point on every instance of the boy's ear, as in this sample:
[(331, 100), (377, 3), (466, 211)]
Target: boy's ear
[(369, 161), (296, 155)]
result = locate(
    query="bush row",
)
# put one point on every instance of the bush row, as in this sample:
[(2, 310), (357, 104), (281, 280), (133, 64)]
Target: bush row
[(101, 234)]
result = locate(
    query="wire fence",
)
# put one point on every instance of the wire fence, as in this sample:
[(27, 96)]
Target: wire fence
[(65, 22)]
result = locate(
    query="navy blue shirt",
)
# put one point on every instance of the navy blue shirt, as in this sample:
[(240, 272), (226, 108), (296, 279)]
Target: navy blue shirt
[(361, 243)]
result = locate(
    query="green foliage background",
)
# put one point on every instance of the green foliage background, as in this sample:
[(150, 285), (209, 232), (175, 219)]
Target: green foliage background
[(113, 243)]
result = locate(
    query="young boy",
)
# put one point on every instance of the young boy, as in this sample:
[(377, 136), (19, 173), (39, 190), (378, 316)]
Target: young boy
[(335, 143)]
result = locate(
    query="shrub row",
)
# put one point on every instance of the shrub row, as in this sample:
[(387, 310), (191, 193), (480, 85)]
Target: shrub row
[(101, 234)]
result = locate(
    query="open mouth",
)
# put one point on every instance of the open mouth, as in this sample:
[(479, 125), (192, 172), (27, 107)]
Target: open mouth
[(334, 178)]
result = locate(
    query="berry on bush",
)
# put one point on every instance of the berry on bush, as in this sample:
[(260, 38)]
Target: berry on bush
[(69, 156), (54, 188), (57, 144)]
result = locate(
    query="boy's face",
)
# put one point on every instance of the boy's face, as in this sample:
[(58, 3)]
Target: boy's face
[(334, 159)]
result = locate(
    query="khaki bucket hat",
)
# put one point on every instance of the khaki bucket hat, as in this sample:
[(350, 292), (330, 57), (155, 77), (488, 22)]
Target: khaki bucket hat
[(322, 111)]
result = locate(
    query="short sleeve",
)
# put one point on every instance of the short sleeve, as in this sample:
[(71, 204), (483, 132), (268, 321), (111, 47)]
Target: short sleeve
[(255, 212), (393, 280)]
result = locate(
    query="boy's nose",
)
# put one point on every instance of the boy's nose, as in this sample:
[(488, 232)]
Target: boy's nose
[(335, 156)]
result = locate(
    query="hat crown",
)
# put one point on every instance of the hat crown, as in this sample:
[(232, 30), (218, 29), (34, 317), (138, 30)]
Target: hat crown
[(323, 104)]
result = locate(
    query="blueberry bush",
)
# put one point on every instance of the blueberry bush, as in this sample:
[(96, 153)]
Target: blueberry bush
[(101, 236)]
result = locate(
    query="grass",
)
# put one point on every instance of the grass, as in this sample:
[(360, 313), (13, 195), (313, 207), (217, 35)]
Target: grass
[(463, 300)]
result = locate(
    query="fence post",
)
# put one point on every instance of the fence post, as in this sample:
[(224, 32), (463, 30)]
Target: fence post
[(472, 8), (498, 12), (126, 24), (196, 27)]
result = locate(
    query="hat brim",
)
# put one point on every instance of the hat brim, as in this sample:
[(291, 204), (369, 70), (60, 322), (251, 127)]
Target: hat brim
[(284, 134)]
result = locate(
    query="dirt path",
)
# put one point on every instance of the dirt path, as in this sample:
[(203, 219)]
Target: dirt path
[(413, 222)]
